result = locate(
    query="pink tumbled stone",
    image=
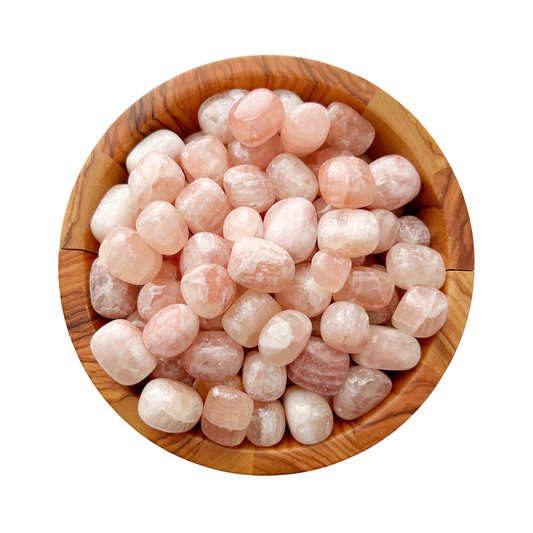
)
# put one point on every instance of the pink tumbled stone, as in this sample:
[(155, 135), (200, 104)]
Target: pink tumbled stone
[(380, 316), (204, 206), (169, 270), (245, 319), (260, 265), (421, 312), (389, 225), (214, 112), (156, 295), (204, 247), (258, 156), (170, 406), (125, 254), (171, 331), (291, 177), (284, 336), (163, 141), (349, 130), (205, 157), (263, 381), (156, 177), (370, 288), (194, 136), (227, 415), (110, 296), (203, 386), (388, 349), (330, 269), (316, 159), (344, 326), (292, 224), (363, 389), (268, 423), (305, 129), (415, 264), (256, 117), (308, 414), (249, 186), (397, 182), (352, 232), (319, 368), (413, 230), (211, 324), (289, 100), (118, 348), (213, 355), (137, 320), (322, 207), (242, 222), (172, 368), (304, 294)]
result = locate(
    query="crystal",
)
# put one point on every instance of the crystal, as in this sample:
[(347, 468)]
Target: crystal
[(169, 270), (421, 312), (330, 269), (413, 230), (415, 264), (249, 186), (384, 314), (308, 414), (172, 368), (344, 326), (118, 348), (211, 324), (388, 349), (205, 157), (289, 100), (137, 320), (322, 207), (163, 141), (203, 386), (256, 117), (204, 247), (170, 406), (268, 423), (389, 225), (316, 159), (157, 295), (363, 389), (258, 156), (263, 381), (242, 222)]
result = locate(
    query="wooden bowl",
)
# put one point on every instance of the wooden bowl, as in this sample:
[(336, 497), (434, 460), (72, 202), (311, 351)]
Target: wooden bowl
[(174, 105)]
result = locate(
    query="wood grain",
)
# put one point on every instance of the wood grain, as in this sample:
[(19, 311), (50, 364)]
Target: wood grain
[(174, 105)]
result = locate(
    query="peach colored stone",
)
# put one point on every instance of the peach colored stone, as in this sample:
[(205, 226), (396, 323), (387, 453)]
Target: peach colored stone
[(242, 222), (170, 406), (258, 156), (346, 182), (245, 319), (260, 265), (290, 177), (289, 100), (304, 294), (322, 207), (171, 331), (349, 130), (363, 389), (384, 314), (118, 348), (308, 414), (284, 336), (263, 381), (213, 355), (214, 112), (194, 136), (203, 386), (125, 254), (352, 232), (249, 186), (344, 326), (204, 206), (156, 177), (370, 288), (110, 296), (205, 157), (315, 160), (204, 247), (211, 324), (156, 295), (388, 349), (268, 423), (172, 368), (389, 225), (305, 129), (292, 224), (421, 312), (413, 230), (415, 264), (117, 209), (227, 415), (163, 141), (330, 269), (319, 368), (397, 182), (137, 320), (256, 117), (169, 270)]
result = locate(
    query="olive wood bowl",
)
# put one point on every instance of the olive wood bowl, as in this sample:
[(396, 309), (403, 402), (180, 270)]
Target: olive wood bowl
[(440, 204)]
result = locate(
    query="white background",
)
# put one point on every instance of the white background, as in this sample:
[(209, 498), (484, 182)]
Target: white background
[(461, 463)]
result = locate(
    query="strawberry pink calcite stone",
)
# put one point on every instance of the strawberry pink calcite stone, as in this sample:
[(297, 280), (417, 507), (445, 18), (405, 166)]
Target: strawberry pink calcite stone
[(204, 247), (258, 156), (268, 423), (171, 331), (172, 368), (330, 269), (322, 207), (349, 130), (242, 222), (384, 314), (291, 177), (292, 224), (249, 186), (363, 389), (413, 230), (194, 136), (319, 368), (344, 326), (388, 349), (260, 265), (289, 100), (163, 141), (309, 416), (170, 406), (389, 225), (169, 270), (157, 295), (118, 348), (316, 159), (203, 386), (263, 381), (137, 320), (205, 157), (256, 117), (421, 312)]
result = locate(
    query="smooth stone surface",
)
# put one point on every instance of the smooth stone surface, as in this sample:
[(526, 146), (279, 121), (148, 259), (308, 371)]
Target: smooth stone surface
[(344, 326), (193, 136), (137, 320), (249, 186), (157, 295), (204, 247), (384, 314), (330, 269), (118, 348), (258, 156), (203, 386), (263, 381), (413, 230), (322, 207), (169, 270), (211, 324), (291, 177), (289, 100), (268, 423), (163, 141), (172, 368), (242, 222), (316, 159), (389, 225), (205, 157)]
